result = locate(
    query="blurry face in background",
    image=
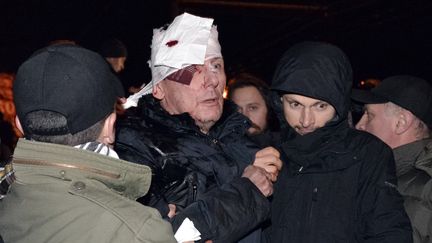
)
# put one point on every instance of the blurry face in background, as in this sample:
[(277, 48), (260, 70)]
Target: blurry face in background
[(202, 98), (117, 63), (306, 114), (252, 104)]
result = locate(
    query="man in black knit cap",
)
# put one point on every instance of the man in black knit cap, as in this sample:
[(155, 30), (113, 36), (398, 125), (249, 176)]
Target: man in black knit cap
[(115, 53)]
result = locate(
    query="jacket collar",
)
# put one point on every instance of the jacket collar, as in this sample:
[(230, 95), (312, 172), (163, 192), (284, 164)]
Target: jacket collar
[(325, 149), (128, 179), (151, 111), (412, 155)]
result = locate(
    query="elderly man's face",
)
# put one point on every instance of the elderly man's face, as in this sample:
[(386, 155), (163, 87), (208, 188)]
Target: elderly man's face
[(202, 98), (379, 122)]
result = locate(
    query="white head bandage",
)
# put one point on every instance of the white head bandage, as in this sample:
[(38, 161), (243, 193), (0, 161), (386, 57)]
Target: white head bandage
[(188, 40)]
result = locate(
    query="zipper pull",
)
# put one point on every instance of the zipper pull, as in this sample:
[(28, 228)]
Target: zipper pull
[(194, 193), (315, 194)]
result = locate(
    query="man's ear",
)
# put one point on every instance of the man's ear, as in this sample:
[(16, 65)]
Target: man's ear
[(159, 91), (107, 135), (405, 120), (18, 124)]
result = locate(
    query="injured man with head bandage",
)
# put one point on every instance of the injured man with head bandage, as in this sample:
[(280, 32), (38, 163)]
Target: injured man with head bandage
[(209, 180)]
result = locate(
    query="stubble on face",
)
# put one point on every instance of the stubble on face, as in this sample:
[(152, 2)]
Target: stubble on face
[(252, 104), (202, 98)]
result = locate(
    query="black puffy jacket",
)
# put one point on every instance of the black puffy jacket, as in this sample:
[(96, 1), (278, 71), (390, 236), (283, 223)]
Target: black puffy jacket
[(200, 173), (338, 185)]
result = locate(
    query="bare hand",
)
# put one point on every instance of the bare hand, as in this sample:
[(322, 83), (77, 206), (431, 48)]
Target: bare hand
[(260, 178), (119, 105), (133, 89), (172, 210), (269, 159)]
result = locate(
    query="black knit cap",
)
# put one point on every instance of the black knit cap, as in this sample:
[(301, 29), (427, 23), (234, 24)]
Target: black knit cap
[(113, 48), (69, 80), (408, 92)]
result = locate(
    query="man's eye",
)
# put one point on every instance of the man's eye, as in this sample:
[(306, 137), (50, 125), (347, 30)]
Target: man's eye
[(216, 66), (322, 106), (294, 104), (253, 108)]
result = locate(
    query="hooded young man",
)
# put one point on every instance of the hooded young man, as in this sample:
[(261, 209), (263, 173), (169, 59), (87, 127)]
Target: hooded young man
[(337, 184), (70, 185), (195, 142)]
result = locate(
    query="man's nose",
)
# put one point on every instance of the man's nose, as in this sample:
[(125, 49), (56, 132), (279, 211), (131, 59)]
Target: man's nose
[(307, 118), (361, 124), (211, 79)]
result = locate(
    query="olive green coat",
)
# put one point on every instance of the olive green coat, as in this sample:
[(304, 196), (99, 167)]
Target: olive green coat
[(414, 172), (64, 194)]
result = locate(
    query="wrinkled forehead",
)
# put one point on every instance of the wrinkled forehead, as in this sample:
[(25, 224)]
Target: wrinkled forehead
[(376, 107)]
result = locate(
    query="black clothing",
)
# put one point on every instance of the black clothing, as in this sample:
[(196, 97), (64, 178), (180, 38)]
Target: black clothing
[(341, 189), (266, 138), (337, 184), (200, 173)]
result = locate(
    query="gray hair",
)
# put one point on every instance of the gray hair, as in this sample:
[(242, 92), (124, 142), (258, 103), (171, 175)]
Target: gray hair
[(422, 130)]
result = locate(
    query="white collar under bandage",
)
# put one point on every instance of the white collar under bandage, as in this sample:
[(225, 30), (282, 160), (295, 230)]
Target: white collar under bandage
[(188, 40)]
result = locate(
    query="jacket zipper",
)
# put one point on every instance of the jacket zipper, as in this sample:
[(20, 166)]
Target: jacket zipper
[(313, 205), (67, 166), (194, 192), (191, 179)]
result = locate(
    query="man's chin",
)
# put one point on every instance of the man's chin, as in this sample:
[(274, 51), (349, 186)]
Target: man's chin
[(208, 115), (206, 121), (205, 126), (253, 131)]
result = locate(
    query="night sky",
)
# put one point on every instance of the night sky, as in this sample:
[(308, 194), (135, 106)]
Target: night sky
[(381, 37)]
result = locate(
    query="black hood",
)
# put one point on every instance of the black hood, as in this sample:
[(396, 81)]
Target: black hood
[(317, 70)]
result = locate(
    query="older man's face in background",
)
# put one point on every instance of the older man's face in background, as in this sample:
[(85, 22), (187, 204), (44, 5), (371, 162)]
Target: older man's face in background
[(378, 121), (202, 98)]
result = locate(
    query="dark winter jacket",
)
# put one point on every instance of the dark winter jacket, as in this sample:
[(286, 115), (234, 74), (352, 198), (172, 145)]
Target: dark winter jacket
[(337, 184), (266, 138), (200, 173), (414, 174)]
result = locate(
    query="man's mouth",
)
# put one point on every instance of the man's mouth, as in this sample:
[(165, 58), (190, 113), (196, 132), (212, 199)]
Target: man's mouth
[(210, 101), (303, 131)]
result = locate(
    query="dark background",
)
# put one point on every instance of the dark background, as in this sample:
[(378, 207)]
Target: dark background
[(381, 37)]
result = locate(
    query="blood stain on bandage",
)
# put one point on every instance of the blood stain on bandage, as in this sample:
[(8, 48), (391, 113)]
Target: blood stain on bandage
[(171, 43)]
